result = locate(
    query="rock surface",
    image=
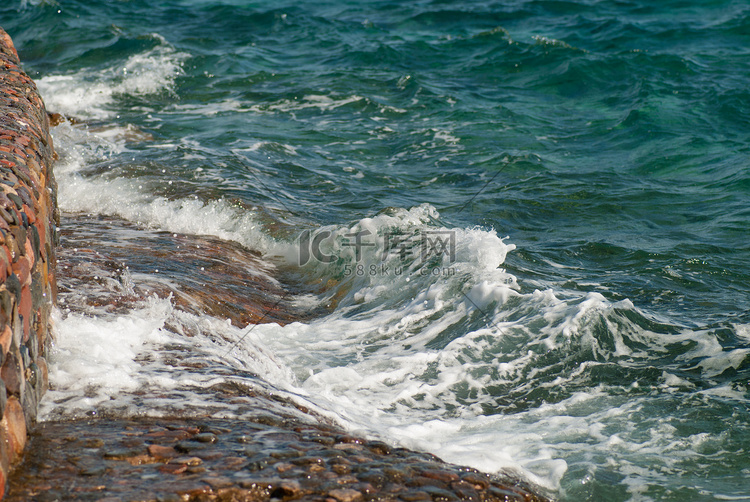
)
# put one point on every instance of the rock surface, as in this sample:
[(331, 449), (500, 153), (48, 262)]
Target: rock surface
[(204, 459), (27, 260)]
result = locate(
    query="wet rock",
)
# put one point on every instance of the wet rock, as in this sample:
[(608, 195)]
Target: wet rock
[(14, 421), (58, 457), (440, 494), (218, 482), (346, 495), (443, 476), (341, 469), (161, 452), (414, 496), (271, 454), (171, 497), (373, 477), (187, 447), (478, 480), (206, 437), (167, 436), (173, 468), (94, 470), (93, 443), (120, 453), (465, 491), (189, 461)]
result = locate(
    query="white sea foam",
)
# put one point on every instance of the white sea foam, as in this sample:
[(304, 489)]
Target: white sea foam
[(94, 360), (128, 199), (89, 94), (130, 364), (318, 101)]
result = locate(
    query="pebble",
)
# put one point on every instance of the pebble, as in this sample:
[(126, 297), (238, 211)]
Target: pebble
[(161, 452), (346, 495), (190, 461), (205, 437), (173, 468)]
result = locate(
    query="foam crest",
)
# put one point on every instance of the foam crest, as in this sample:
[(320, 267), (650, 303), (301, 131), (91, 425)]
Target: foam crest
[(401, 255), (453, 364), (90, 93), (128, 198)]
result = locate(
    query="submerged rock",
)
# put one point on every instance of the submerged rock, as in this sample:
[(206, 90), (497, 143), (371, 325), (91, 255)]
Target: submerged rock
[(132, 459)]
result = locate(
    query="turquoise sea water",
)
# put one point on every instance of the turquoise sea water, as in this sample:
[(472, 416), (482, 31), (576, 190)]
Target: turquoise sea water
[(590, 326)]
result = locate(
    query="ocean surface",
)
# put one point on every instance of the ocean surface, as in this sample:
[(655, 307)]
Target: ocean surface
[(513, 234)]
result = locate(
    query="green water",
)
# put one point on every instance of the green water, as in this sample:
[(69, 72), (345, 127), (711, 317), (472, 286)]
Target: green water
[(608, 140)]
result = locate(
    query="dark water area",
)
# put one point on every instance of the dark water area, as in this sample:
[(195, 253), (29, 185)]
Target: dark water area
[(552, 202)]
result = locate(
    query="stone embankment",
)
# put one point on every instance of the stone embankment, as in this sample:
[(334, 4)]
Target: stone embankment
[(283, 452), (27, 259)]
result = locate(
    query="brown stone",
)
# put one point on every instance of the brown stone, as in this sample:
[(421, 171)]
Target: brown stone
[(24, 309), (173, 468), (233, 462), (29, 252), (346, 495), (444, 476), (140, 459), (284, 466), (189, 461), (477, 480), (209, 455), (6, 338), (161, 452), (16, 426), (12, 373), (218, 482), (3, 479), (43, 374), (465, 491), (205, 437), (195, 493), (414, 496), (341, 469), (287, 488)]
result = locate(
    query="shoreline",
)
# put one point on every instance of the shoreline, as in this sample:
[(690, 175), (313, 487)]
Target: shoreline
[(284, 453)]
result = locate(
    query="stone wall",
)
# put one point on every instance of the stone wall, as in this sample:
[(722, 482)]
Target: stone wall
[(28, 213)]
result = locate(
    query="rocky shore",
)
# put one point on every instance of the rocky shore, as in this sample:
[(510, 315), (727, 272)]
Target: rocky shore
[(204, 459), (279, 450)]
